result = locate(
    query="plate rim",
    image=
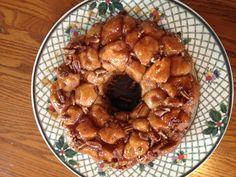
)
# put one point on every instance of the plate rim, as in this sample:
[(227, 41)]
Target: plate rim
[(177, 2), (231, 83)]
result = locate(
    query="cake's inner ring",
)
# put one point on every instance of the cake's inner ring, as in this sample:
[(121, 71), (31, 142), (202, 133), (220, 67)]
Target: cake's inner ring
[(123, 92)]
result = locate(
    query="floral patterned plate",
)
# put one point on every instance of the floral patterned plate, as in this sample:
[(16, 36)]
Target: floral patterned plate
[(211, 63)]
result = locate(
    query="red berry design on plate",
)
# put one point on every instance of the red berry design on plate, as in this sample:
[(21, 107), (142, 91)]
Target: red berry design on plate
[(181, 157), (211, 75), (108, 1), (62, 152), (76, 33), (208, 78), (101, 165), (155, 13), (51, 108), (219, 124)]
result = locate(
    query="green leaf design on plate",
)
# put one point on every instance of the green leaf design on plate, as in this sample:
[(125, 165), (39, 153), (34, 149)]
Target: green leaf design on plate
[(187, 40), (222, 129), (102, 8), (111, 7), (72, 162), (102, 173), (93, 5), (61, 140), (54, 78), (65, 146), (214, 131), (210, 124), (179, 34), (163, 15), (225, 120), (223, 108), (62, 157), (70, 153), (115, 0), (67, 30), (218, 122), (58, 145), (216, 73), (141, 167), (118, 5), (208, 131), (215, 115), (151, 164)]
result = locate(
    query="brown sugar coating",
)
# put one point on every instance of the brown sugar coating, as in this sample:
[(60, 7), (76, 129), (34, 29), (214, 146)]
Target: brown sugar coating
[(158, 91)]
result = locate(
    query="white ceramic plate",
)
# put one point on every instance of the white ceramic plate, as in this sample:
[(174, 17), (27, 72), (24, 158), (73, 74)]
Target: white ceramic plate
[(213, 70)]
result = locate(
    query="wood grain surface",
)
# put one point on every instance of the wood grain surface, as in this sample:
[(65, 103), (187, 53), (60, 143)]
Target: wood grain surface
[(23, 26)]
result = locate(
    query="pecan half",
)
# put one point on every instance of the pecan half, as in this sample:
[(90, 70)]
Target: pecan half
[(94, 145), (61, 96)]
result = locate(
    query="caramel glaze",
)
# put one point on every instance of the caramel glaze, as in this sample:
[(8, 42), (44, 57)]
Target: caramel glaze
[(126, 91)]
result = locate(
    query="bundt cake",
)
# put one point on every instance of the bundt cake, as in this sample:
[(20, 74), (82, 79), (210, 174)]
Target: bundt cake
[(126, 92)]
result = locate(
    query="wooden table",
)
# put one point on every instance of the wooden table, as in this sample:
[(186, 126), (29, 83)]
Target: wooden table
[(23, 26)]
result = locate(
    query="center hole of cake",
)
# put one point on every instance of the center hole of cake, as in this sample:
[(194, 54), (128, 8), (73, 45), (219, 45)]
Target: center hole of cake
[(123, 92)]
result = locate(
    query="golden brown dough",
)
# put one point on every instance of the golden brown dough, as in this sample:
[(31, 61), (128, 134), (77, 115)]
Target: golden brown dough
[(145, 49), (154, 98), (135, 147), (67, 80), (106, 154), (150, 30), (126, 92), (141, 125), (156, 122), (170, 88), (129, 23), (86, 129), (132, 37), (98, 77), (112, 133), (185, 121), (147, 85), (135, 70), (180, 66), (159, 72), (85, 95), (90, 151), (192, 103), (72, 114), (108, 66), (141, 110), (164, 122), (95, 30), (115, 53), (99, 115), (112, 30), (89, 59), (172, 45)]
